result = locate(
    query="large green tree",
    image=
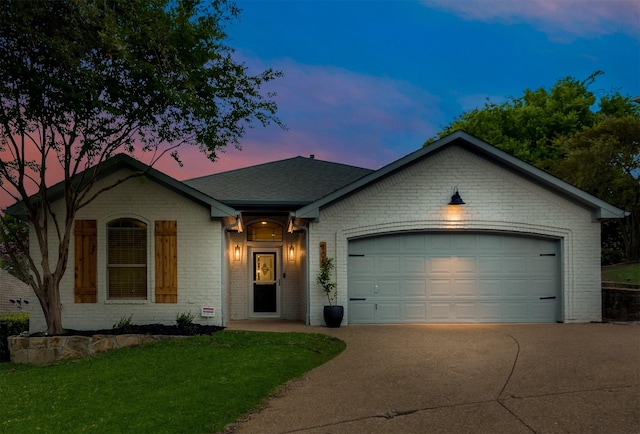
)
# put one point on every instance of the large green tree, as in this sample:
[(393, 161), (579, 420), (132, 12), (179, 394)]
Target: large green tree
[(82, 80), (592, 143)]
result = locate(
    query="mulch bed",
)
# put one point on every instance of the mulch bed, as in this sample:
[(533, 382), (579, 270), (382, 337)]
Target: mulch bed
[(146, 329)]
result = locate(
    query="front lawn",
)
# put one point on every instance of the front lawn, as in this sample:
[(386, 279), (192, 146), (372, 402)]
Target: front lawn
[(625, 273), (194, 384)]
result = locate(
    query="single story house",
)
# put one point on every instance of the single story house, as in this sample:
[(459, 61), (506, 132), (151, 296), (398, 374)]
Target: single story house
[(456, 232)]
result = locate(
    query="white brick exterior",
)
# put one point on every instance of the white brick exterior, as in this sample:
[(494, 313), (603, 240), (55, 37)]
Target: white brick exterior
[(497, 199), (199, 259)]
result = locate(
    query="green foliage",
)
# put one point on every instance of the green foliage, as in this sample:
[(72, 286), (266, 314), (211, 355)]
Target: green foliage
[(196, 384), (592, 144), (324, 279), (14, 246), (604, 160), (626, 273), (124, 324), (81, 81), (184, 320), (11, 324), (528, 126)]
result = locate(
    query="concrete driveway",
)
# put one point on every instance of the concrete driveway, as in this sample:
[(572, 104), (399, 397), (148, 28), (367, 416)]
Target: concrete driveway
[(551, 378)]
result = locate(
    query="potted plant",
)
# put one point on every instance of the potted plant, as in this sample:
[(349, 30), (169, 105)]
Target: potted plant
[(333, 313)]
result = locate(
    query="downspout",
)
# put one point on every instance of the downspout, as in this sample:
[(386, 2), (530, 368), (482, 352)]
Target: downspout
[(223, 282), (308, 289)]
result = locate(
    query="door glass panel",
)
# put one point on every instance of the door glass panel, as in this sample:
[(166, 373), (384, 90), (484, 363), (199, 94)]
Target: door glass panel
[(265, 298)]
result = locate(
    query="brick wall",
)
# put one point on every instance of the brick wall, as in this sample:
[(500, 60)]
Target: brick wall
[(199, 258), (497, 199)]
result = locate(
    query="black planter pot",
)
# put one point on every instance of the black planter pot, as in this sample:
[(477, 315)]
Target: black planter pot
[(333, 316)]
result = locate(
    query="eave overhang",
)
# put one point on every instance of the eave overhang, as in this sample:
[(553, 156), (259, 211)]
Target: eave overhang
[(601, 210), (123, 161)]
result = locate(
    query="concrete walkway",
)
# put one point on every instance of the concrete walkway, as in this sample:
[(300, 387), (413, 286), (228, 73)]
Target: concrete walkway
[(551, 378)]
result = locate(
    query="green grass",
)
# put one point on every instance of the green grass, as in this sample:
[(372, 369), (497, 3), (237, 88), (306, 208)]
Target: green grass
[(627, 273), (195, 384)]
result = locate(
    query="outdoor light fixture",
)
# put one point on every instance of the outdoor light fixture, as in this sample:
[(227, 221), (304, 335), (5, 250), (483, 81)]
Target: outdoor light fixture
[(236, 255), (19, 302), (292, 253), (456, 199)]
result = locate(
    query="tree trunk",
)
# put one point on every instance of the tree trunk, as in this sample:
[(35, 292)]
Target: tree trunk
[(53, 315)]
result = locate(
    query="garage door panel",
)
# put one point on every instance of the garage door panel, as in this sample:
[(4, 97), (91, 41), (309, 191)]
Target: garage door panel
[(440, 265), (388, 265), (438, 242), (465, 287), (388, 312), (364, 311), (489, 311), (453, 277), (464, 264), (490, 287), (465, 312), (412, 288), (388, 244), (515, 264), (387, 288), (540, 310), (541, 288), (514, 287), (361, 288), (361, 266), (489, 265), (439, 288), (514, 311), (414, 265), (439, 312), (460, 244), (415, 312)]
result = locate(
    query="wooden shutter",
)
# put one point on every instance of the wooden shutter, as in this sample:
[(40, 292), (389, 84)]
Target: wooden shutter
[(86, 261), (166, 238)]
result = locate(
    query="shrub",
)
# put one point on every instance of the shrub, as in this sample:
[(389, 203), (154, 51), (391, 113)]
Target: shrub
[(124, 324), (11, 324), (184, 320)]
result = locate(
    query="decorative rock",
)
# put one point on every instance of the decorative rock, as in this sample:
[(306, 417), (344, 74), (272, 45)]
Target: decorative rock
[(42, 350)]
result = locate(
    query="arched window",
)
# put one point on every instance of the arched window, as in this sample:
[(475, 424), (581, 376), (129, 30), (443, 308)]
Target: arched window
[(127, 259), (264, 231)]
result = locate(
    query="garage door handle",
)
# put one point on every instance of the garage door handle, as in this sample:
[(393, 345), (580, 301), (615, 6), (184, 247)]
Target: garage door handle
[(357, 299), (548, 298)]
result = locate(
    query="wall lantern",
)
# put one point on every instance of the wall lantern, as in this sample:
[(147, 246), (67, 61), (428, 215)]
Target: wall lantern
[(237, 253), (292, 253), (19, 302), (456, 199)]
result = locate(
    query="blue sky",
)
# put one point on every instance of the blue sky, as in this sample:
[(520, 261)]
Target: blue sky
[(367, 82)]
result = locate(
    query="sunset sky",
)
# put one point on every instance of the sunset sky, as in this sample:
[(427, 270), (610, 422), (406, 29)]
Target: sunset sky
[(366, 82)]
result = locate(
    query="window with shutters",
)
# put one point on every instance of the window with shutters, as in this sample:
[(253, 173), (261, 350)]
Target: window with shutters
[(127, 259)]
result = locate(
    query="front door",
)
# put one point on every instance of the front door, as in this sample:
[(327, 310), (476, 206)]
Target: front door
[(264, 291)]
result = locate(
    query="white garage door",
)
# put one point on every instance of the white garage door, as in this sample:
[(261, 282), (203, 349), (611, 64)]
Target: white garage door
[(454, 278)]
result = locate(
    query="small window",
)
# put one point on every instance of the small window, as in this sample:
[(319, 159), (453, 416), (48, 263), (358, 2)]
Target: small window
[(127, 259), (264, 231)]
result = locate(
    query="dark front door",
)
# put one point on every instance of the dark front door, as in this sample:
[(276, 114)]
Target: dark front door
[(265, 288)]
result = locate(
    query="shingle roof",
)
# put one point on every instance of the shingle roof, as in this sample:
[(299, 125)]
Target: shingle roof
[(292, 182)]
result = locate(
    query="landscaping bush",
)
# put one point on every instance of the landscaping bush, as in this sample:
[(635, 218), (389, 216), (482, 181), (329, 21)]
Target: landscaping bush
[(11, 324)]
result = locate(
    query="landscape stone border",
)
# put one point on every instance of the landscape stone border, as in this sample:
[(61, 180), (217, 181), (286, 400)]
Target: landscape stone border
[(47, 349)]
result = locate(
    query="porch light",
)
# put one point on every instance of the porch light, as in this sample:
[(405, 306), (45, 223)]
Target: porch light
[(292, 253), (456, 199), (237, 253)]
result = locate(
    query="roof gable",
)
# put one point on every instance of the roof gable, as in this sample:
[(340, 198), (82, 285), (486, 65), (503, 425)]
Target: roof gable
[(123, 161), (600, 208)]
